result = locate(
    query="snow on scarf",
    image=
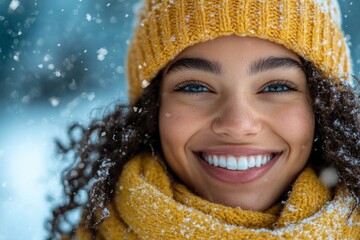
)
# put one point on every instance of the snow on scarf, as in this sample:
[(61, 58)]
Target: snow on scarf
[(148, 205)]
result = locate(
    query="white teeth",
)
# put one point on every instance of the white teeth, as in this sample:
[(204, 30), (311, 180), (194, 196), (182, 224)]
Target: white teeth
[(231, 163), (252, 162), (211, 160), (242, 163), (237, 163), (258, 161), (216, 161), (263, 160), (222, 162)]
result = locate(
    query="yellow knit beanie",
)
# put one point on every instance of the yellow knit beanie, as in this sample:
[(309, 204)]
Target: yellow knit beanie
[(310, 28)]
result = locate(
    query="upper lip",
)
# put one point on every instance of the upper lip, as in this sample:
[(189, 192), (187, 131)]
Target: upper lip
[(237, 150)]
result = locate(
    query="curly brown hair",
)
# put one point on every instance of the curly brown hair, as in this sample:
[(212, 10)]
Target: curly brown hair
[(98, 156)]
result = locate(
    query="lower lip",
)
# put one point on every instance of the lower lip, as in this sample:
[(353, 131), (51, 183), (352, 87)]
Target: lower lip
[(237, 177)]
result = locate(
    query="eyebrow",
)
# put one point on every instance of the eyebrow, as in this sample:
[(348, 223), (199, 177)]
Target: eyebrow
[(258, 66), (271, 63), (195, 64)]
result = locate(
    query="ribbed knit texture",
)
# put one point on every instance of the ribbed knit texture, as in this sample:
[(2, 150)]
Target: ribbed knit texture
[(310, 28), (148, 206)]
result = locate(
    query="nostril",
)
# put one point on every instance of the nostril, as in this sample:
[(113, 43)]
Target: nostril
[(217, 126), (236, 127)]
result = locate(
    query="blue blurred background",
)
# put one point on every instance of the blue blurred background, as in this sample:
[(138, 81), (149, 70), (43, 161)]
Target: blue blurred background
[(59, 60)]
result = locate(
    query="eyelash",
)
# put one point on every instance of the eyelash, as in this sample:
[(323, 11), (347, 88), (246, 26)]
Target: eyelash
[(290, 86), (283, 83), (194, 84)]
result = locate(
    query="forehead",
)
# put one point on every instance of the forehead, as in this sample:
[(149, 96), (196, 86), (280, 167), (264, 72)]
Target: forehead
[(235, 47), (234, 54)]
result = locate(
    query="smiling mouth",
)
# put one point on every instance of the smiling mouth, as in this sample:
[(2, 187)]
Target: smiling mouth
[(237, 163)]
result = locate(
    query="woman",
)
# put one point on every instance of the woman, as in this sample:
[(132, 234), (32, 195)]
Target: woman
[(236, 109)]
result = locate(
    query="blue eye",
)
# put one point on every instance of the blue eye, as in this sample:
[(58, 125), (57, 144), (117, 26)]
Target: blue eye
[(192, 87), (276, 88), (279, 87)]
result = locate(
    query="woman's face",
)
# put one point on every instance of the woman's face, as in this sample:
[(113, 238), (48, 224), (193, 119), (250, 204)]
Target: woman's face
[(236, 123)]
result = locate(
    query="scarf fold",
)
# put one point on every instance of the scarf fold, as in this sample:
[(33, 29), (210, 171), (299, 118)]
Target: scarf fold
[(148, 205)]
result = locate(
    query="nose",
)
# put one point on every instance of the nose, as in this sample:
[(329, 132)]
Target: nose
[(237, 118)]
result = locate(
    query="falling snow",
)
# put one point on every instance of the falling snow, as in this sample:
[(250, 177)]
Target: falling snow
[(145, 84), (59, 60), (102, 52), (14, 4), (329, 176), (88, 17), (54, 101)]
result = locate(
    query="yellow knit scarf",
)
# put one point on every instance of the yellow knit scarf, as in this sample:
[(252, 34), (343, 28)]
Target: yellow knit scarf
[(147, 205)]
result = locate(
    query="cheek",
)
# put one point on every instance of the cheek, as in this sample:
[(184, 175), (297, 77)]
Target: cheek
[(171, 125), (169, 137), (178, 121), (167, 120), (296, 124), (175, 129)]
